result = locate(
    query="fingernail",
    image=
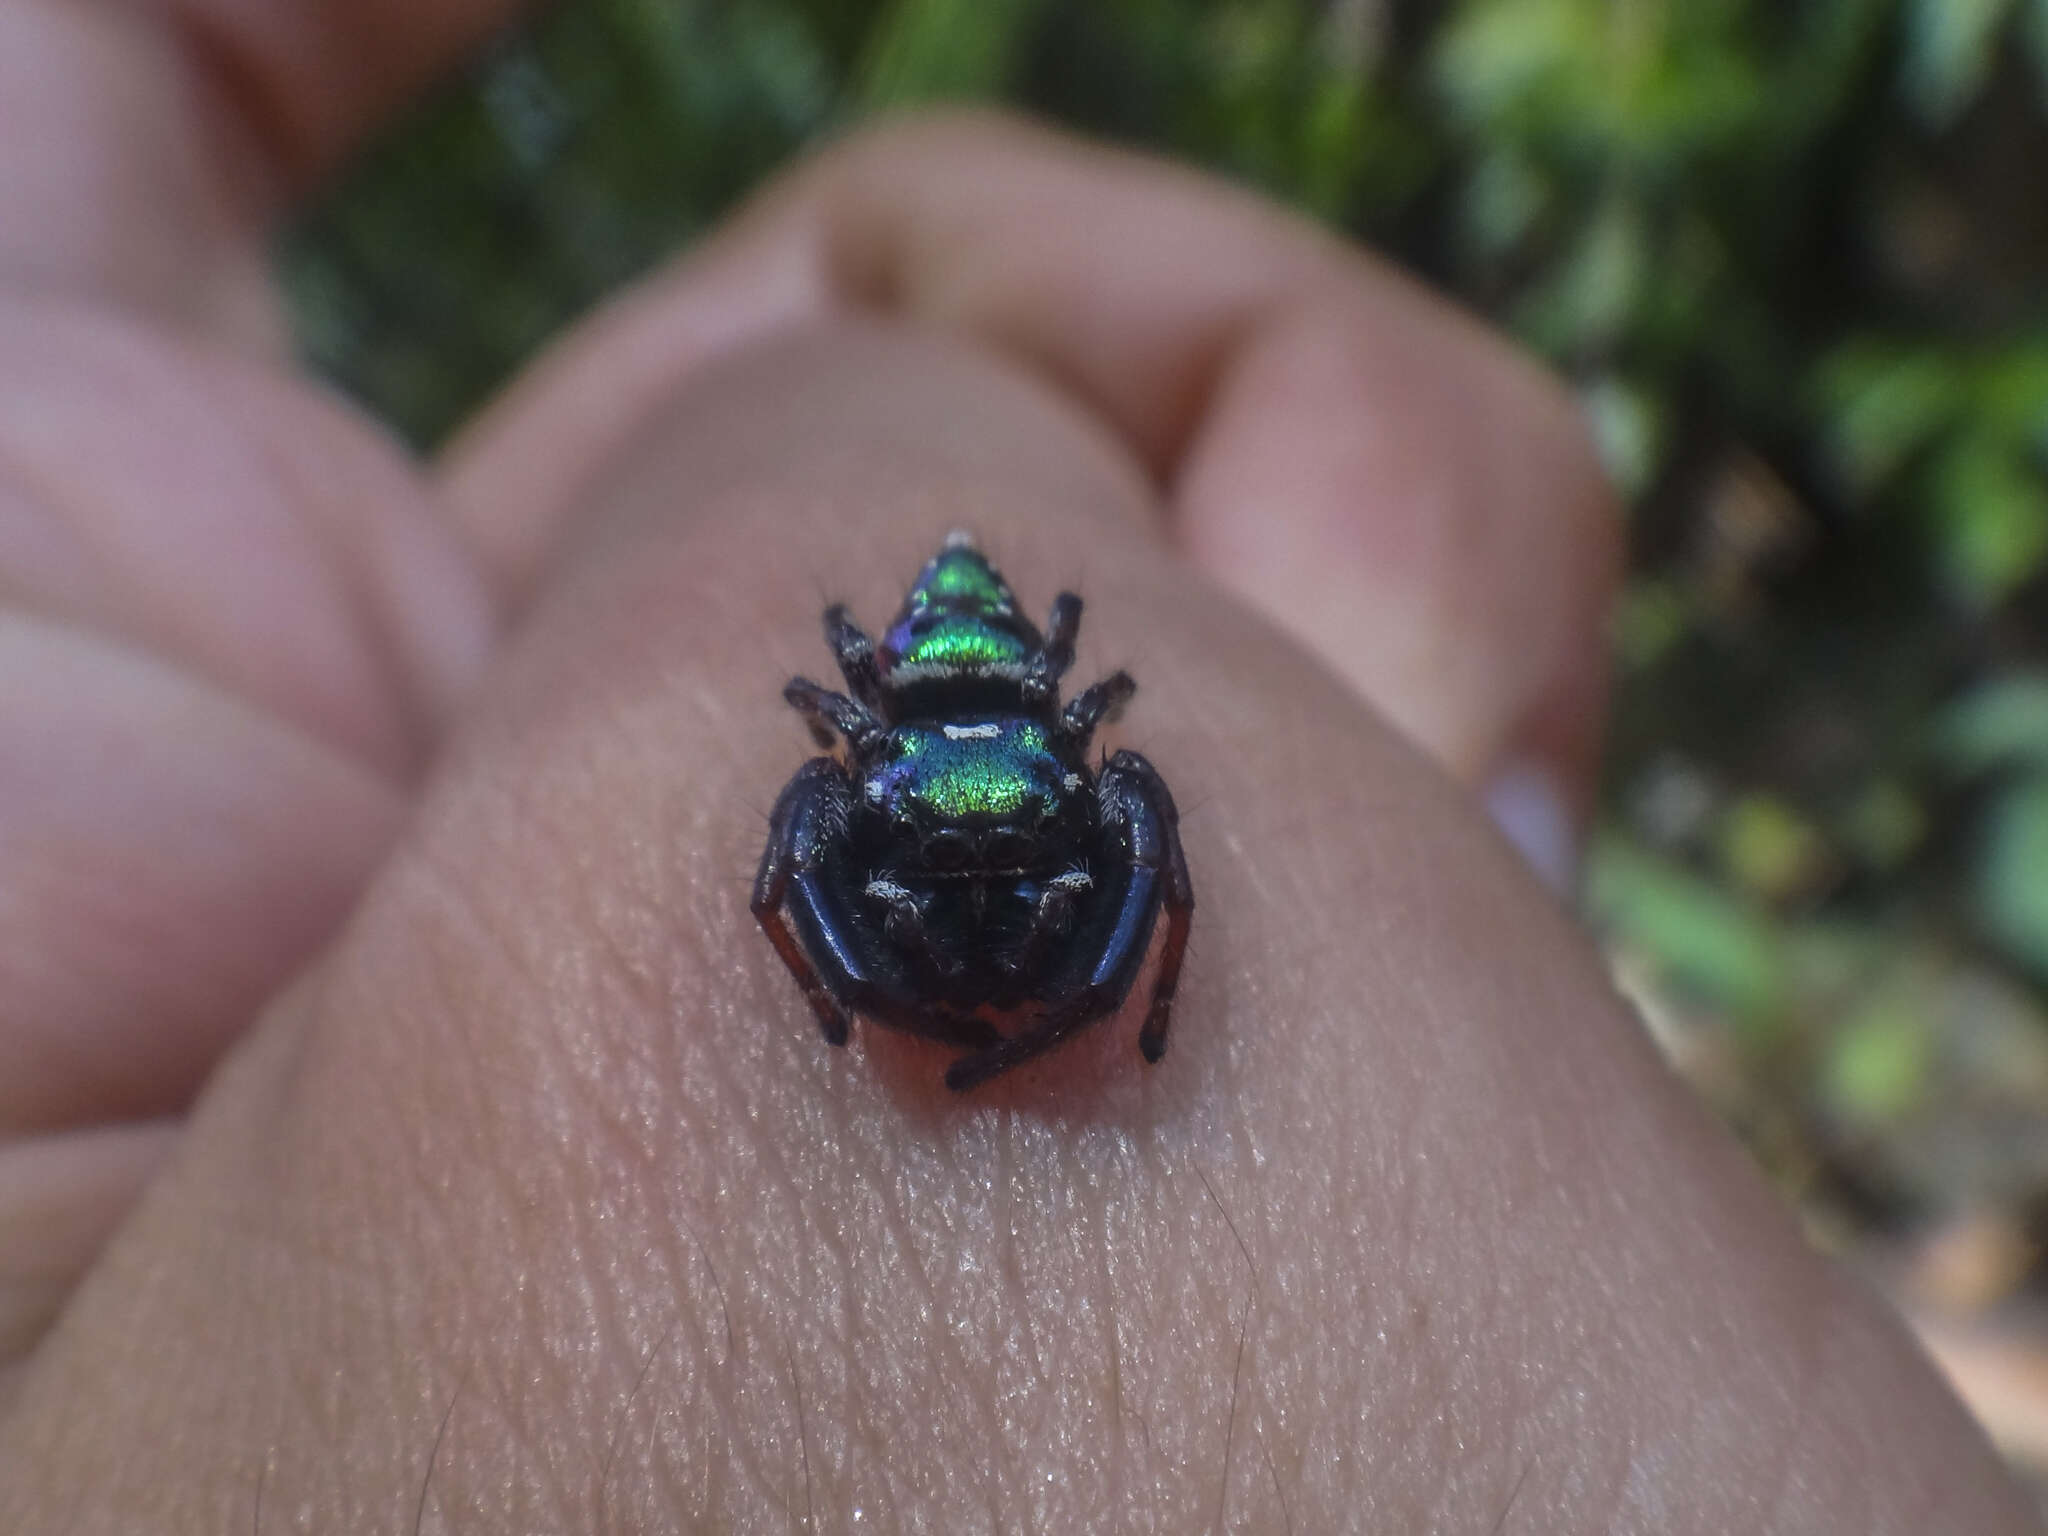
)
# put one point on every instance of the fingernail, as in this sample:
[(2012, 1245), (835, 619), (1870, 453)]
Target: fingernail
[(1524, 801)]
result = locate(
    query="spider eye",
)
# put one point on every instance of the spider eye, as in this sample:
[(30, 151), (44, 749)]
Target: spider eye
[(947, 850), (1008, 850)]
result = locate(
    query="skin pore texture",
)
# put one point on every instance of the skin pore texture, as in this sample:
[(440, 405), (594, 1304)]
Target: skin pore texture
[(403, 1126)]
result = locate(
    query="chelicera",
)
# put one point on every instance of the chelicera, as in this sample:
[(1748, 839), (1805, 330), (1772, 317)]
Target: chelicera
[(954, 859)]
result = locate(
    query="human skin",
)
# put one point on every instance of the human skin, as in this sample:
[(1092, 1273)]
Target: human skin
[(530, 1199)]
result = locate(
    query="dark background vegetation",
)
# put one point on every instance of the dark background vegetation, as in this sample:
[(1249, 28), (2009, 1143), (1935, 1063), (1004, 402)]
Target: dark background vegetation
[(1793, 253)]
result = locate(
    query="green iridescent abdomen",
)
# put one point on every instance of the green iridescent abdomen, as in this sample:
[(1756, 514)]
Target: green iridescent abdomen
[(960, 619), (966, 643)]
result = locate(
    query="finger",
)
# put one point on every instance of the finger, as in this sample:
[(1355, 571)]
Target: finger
[(235, 522), (60, 1196), (309, 77), (1438, 531), (232, 630), (143, 147), (1388, 481), (167, 857), (155, 885), (541, 1202)]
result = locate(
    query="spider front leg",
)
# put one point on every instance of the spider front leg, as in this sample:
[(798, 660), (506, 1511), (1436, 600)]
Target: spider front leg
[(1051, 917), (855, 653), (1093, 705), (803, 902), (1146, 872), (904, 926), (1056, 652), (807, 811), (1155, 836), (831, 715)]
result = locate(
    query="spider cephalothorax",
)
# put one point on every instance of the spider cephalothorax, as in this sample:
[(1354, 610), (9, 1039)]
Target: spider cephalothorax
[(959, 857)]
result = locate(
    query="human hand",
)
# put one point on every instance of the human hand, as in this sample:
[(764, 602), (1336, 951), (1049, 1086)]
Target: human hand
[(532, 1200)]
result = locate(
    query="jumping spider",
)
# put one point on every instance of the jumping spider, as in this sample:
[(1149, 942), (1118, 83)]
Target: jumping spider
[(959, 857)]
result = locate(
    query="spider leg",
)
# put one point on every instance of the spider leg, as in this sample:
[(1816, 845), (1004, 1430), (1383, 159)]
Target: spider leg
[(1142, 840), (807, 811), (801, 901), (1053, 916), (1052, 1028), (962, 1031), (1156, 835), (1093, 705), (855, 653), (904, 926), (1056, 653), (830, 714)]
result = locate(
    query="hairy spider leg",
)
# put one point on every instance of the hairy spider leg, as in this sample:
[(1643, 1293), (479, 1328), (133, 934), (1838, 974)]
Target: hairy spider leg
[(904, 926), (799, 881), (1053, 916), (827, 713), (1093, 705), (803, 812), (854, 650), (1178, 898), (1062, 629), (1056, 654), (1141, 840)]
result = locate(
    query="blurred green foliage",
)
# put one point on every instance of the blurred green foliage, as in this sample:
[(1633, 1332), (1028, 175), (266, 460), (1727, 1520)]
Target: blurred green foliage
[(1794, 253)]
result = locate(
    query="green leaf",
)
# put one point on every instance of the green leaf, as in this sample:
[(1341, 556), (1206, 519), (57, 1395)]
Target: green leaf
[(1650, 617), (2012, 394), (1999, 724), (1496, 60), (935, 50), (1884, 403), (1649, 85), (1876, 1068), (1701, 938), (1820, 67), (1884, 825), (1502, 198), (1991, 511), (1589, 298), (1767, 847), (2034, 36), (1628, 431), (1949, 48), (2012, 877)]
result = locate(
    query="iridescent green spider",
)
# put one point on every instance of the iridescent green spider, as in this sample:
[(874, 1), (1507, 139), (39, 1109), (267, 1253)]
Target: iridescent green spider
[(956, 857)]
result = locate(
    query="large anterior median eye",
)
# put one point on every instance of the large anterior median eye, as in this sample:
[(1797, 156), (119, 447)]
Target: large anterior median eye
[(1008, 850), (948, 850)]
